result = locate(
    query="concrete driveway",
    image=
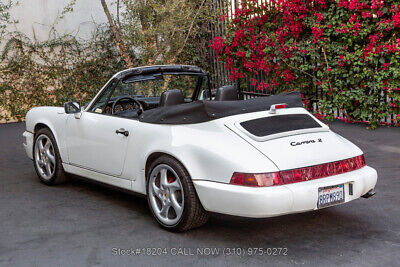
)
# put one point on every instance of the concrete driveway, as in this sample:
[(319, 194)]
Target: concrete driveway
[(81, 223)]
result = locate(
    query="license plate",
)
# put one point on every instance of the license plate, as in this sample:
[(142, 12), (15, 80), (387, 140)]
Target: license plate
[(330, 195)]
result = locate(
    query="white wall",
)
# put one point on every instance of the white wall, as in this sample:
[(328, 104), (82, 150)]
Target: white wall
[(37, 16)]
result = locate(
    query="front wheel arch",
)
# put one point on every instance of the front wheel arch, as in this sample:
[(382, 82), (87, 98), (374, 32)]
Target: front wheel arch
[(44, 124), (58, 176), (39, 126)]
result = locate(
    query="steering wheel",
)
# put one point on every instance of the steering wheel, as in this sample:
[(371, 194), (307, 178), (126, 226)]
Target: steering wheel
[(128, 98)]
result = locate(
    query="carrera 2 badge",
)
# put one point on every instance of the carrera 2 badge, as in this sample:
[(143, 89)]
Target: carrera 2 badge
[(319, 140)]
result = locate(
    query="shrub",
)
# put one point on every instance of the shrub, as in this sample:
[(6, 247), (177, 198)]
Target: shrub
[(142, 32), (349, 48), (53, 72)]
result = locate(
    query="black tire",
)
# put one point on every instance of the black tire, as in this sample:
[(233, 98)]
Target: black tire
[(193, 215), (58, 176)]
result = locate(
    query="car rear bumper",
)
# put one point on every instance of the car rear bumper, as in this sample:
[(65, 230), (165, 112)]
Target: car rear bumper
[(279, 200), (28, 143)]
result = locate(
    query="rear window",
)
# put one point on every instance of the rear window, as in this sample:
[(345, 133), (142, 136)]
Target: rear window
[(279, 124)]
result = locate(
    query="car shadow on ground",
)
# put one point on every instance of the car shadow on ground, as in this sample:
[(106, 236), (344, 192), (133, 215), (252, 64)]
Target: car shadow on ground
[(319, 226)]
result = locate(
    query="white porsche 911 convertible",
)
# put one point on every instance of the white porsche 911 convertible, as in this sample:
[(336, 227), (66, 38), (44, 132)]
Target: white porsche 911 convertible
[(160, 132)]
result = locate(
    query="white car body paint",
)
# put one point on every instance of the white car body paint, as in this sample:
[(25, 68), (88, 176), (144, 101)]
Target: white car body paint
[(211, 152)]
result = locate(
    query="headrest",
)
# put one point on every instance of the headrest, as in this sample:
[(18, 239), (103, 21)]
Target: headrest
[(171, 97), (226, 93)]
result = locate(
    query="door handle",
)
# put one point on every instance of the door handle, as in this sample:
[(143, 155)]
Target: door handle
[(122, 131)]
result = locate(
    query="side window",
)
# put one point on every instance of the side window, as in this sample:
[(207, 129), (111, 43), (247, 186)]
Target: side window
[(100, 103)]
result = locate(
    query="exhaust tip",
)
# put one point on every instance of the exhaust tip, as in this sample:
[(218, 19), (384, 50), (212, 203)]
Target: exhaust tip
[(369, 194)]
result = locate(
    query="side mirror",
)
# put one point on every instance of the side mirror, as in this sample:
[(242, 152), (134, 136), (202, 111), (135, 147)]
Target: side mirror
[(72, 107)]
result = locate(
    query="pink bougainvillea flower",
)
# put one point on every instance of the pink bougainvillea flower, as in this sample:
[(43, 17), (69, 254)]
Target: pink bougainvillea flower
[(386, 65), (289, 49)]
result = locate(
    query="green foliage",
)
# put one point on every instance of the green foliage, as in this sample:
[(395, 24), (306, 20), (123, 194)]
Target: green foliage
[(53, 72), (5, 18), (166, 32), (64, 68), (348, 48), (363, 81)]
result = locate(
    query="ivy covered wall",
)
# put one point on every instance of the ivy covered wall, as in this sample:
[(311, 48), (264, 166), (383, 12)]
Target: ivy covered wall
[(37, 72)]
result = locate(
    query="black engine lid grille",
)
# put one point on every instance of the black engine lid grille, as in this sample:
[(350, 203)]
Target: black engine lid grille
[(279, 124)]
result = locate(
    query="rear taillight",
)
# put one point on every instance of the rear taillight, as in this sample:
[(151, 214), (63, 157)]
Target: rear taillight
[(298, 175), (255, 179)]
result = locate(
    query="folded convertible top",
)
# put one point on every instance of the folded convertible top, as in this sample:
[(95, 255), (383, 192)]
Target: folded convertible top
[(203, 111)]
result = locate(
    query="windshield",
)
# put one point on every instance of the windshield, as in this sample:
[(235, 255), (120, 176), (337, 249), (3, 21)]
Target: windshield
[(151, 86)]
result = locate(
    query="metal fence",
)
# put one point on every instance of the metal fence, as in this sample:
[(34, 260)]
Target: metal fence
[(219, 74)]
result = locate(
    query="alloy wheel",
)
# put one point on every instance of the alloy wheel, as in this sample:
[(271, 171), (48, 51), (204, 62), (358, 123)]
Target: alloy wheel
[(166, 194), (45, 159)]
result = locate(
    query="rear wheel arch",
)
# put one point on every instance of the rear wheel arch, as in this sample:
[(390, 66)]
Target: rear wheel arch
[(154, 156), (194, 215)]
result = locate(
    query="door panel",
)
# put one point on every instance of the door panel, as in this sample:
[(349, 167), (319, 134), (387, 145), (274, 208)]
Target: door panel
[(94, 144)]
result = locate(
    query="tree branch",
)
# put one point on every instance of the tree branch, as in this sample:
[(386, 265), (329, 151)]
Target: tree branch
[(302, 71), (187, 35), (118, 20), (123, 50)]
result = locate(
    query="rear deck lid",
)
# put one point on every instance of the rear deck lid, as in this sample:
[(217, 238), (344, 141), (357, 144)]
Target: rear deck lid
[(293, 139)]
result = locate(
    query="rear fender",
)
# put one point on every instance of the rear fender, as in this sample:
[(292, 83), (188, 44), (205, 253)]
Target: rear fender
[(209, 151)]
